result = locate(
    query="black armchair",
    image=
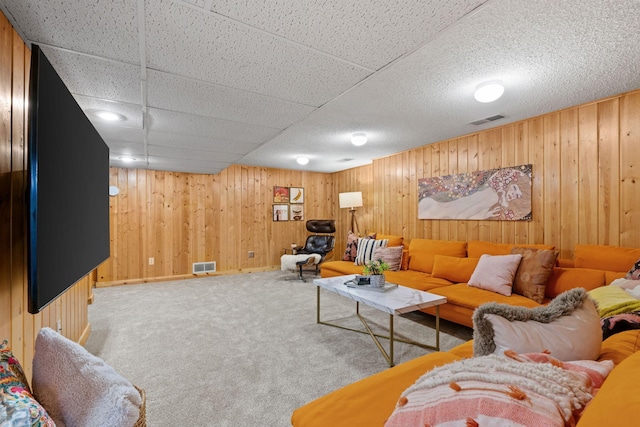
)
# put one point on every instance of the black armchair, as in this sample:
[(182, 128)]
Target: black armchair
[(320, 243)]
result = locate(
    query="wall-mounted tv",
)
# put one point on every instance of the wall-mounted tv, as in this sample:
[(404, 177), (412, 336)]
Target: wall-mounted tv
[(68, 201)]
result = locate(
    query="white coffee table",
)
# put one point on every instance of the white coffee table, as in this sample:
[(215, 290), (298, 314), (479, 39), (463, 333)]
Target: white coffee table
[(397, 301)]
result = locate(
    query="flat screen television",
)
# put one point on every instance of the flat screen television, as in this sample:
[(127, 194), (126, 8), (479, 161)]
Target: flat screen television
[(68, 201)]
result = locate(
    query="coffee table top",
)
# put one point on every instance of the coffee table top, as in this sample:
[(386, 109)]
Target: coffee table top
[(396, 301)]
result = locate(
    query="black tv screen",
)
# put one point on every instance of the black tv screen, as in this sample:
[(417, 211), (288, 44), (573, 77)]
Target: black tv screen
[(68, 168)]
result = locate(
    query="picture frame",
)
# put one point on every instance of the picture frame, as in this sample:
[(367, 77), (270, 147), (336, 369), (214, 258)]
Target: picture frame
[(502, 194), (280, 194), (297, 212), (296, 195), (280, 213)]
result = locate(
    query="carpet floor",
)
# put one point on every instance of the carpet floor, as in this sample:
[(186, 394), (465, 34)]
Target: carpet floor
[(242, 350)]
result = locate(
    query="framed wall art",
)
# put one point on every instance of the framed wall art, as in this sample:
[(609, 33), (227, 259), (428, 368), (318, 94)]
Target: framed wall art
[(495, 194), (281, 212), (280, 194), (296, 195), (297, 212)]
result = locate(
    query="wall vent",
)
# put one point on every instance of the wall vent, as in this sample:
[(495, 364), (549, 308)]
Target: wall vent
[(345, 160), (204, 267), (488, 119)]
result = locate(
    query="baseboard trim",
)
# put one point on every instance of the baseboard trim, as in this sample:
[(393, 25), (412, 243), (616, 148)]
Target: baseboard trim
[(108, 284), (85, 334)]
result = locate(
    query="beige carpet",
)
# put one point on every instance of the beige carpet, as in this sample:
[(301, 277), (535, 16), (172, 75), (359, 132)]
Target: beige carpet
[(241, 350)]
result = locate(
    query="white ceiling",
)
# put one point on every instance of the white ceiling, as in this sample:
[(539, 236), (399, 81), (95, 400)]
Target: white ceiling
[(209, 83)]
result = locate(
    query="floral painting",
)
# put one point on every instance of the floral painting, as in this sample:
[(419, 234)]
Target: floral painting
[(495, 194)]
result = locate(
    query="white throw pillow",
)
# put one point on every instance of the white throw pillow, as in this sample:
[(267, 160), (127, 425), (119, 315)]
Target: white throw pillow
[(366, 248), (495, 273), (568, 327), (79, 389)]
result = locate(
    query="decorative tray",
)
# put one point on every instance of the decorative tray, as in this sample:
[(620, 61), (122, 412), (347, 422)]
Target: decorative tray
[(387, 286)]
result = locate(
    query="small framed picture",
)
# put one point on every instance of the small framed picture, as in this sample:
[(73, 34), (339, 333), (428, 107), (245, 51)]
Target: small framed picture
[(297, 212), (281, 212), (280, 194), (296, 195)]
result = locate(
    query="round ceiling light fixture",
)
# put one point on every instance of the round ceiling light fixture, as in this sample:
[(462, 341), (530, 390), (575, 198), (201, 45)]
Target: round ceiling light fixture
[(358, 139), (127, 159), (109, 116), (489, 91), (302, 160)]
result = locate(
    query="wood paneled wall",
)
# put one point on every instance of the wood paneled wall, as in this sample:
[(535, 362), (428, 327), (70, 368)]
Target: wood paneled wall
[(586, 166), (179, 219), (16, 324), (585, 190)]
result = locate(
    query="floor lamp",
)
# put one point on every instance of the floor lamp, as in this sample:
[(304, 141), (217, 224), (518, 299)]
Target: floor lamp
[(352, 201)]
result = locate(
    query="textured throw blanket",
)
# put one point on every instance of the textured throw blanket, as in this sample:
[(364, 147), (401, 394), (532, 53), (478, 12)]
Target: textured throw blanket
[(510, 390)]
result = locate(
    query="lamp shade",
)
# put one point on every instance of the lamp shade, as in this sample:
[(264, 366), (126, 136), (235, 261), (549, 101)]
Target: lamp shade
[(350, 200)]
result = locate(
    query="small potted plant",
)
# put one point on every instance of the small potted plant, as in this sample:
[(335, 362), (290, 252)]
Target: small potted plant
[(375, 270)]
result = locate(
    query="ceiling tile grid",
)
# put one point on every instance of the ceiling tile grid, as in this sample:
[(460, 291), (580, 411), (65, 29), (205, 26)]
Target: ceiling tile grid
[(261, 82)]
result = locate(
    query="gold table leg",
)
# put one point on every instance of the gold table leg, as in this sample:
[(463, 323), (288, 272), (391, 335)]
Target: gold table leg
[(388, 356)]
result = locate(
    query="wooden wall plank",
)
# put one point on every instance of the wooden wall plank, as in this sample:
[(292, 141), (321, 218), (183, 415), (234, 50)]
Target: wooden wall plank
[(588, 173), (608, 173), (569, 156), (629, 169)]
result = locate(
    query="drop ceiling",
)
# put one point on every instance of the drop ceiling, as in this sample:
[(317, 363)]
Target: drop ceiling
[(205, 84)]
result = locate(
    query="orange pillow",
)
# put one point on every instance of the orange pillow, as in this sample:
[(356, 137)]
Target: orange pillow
[(422, 252), (393, 240), (602, 257), (454, 269)]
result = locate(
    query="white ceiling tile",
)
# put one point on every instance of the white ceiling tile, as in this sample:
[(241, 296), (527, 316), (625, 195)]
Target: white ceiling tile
[(188, 124), (188, 166), (200, 143), (371, 33), (175, 93), (197, 44), (191, 154), (120, 133), (101, 28), (95, 77)]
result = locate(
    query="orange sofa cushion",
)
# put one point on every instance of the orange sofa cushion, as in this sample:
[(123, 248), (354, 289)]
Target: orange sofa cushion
[(617, 402), (563, 279), (455, 269), (463, 295), (602, 257), (620, 346), (423, 251)]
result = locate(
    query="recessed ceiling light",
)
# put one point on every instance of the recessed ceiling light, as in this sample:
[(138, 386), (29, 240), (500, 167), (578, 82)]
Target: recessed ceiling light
[(489, 91), (109, 116), (358, 139), (127, 159), (302, 160)]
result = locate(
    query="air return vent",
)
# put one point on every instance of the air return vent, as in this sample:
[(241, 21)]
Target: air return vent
[(345, 160), (204, 267), (488, 119)]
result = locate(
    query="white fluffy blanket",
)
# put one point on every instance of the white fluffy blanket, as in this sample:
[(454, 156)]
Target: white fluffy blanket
[(288, 262)]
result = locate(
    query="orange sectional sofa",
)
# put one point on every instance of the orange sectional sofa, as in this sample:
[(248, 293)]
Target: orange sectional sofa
[(370, 402), (444, 268)]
